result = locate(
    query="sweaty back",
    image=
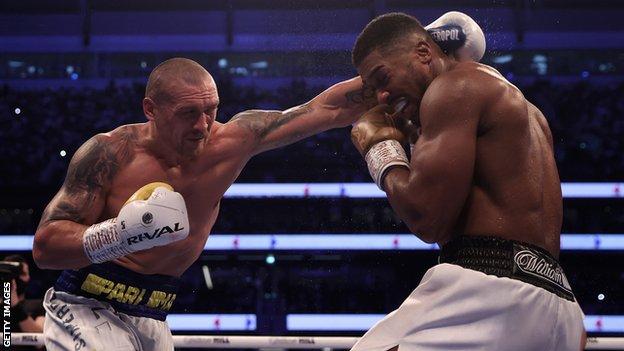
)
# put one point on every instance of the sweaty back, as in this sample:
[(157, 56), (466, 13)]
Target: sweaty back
[(516, 191)]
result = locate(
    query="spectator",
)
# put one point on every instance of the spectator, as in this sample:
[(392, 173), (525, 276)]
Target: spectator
[(27, 316)]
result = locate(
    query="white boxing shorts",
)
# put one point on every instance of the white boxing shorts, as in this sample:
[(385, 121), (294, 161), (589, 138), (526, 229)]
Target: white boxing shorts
[(78, 323), (524, 302), (108, 307)]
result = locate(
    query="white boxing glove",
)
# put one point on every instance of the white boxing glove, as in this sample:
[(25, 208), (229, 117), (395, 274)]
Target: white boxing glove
[(154, 215), (458, 35)]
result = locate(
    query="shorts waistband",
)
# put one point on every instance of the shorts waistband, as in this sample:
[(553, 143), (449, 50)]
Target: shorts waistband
[(508, 258), (129, 292)]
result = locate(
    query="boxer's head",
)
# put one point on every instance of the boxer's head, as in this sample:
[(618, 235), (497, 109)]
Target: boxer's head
[(394, 55), (181, 99)]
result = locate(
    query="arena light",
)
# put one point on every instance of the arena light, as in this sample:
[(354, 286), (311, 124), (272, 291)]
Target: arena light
[(348, 242), (15, 64), (604, 324), (370, 190), (217, 242), (503, 59), (207, 277), (361, 322), (204, 322), (270, 259), (331, 322)]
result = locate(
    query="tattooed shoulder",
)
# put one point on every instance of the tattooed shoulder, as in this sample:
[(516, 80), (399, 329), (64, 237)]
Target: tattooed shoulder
[(90, 172), (97, 161)]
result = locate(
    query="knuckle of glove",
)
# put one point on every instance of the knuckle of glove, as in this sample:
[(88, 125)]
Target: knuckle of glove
[(158, 221), (459, 35)]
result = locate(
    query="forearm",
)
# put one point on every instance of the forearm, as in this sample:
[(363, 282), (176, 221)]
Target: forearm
[(418, 200), (402, 198), (59, 245), (350, 99), (338, 106)]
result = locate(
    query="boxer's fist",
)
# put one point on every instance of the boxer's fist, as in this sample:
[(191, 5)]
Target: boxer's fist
[(458, 35), (154, 215), (375, 126), (378, 139)]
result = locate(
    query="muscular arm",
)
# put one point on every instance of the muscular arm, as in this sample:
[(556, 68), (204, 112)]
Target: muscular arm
[(336, 107), (430, 196), (78, 204)]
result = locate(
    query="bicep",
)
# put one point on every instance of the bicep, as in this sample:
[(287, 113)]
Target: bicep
[(444, 165), (444, 156), (80, 207), (82, 196)]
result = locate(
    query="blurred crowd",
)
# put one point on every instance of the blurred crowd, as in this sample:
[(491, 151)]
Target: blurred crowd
[(43, 129)]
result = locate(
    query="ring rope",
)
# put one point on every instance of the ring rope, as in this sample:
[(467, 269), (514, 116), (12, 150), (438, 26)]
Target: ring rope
[(290, 342)]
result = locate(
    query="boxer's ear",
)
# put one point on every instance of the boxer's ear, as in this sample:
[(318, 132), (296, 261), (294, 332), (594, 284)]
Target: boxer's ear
[(422, 51), (148, 108)]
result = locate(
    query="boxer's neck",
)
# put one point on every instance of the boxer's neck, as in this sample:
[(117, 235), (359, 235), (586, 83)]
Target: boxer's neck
[(441, 64)]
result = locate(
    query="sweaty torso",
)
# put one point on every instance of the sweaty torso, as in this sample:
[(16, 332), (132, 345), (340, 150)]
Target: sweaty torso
[(201, 182), (516, 192)]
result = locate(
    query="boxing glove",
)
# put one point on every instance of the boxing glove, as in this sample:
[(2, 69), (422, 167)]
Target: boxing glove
[(378, 138), (154, 215), (458, 35)]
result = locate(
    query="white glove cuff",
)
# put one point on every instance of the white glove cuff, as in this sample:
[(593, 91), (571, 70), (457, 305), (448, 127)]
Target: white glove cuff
[(384, 155), (101, 242)]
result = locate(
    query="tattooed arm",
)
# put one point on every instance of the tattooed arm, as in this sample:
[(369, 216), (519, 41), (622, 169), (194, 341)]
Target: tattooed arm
[(78, 204), (338, 106)]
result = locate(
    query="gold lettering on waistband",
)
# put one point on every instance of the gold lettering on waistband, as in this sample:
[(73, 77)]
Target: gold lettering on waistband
[(140, 298), (155, 299), (97, 285), (162, 300), (117, 292), (130, 295), (170, 302)]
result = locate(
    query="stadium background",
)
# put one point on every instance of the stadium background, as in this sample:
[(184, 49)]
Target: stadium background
[(73, 68)]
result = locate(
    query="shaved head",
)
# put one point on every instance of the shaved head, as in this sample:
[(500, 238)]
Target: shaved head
[(175, 70)]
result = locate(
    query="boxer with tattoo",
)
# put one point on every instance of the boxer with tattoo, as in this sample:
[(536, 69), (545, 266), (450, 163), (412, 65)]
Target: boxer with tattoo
[(138, 204)]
